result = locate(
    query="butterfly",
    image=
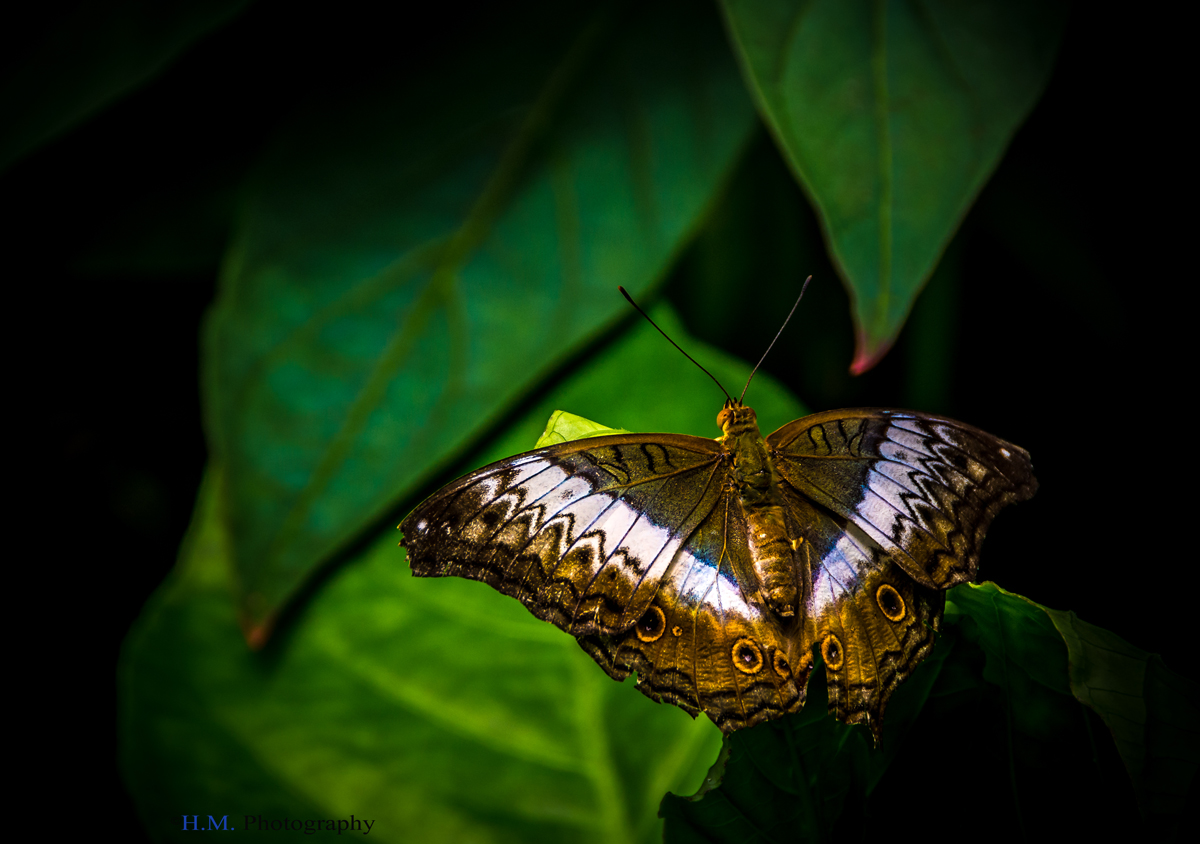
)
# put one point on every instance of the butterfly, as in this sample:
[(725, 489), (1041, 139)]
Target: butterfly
[(716, 569)]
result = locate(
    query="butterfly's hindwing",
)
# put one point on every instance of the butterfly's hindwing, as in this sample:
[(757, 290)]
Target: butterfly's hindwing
[(844, 569), (885, 627), (707, 643)]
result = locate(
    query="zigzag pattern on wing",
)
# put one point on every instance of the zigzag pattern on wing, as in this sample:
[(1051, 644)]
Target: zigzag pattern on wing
[(925, 488), (580, 535)]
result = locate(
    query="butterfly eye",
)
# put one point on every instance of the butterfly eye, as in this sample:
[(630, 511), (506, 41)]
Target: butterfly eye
[(831, 652), (780, 664), (890, 602), (651, 625)]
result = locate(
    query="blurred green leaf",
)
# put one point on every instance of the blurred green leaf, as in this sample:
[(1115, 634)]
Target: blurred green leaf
[(642, 384), (811, 776), (414, 258), (441, 712), (440, 709), (91, 56), (893, 115)]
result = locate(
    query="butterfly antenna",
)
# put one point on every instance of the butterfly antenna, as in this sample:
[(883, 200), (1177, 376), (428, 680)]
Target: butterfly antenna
[(780, 331), (629, 299)]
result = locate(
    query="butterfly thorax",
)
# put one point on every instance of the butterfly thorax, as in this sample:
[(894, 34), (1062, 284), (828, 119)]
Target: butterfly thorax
[(772, 548)]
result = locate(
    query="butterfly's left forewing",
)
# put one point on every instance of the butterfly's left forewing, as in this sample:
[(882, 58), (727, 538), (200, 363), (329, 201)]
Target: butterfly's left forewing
[(579, 532), (636, 545)]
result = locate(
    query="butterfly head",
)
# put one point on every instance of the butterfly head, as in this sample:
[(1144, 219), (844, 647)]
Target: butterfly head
[(736, 418)]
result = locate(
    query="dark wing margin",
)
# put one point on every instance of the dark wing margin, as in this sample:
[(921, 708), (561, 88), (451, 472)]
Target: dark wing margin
[(579, 532), (925, 488)]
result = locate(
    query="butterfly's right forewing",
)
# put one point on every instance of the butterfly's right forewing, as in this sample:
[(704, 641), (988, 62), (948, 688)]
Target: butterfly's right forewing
[(924, 488)]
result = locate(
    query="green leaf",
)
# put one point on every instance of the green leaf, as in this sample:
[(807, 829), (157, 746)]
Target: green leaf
[(1152, 712), (564, 427), (992, 700), (439, 709), (92, 56), (892, 116), (416, 257)]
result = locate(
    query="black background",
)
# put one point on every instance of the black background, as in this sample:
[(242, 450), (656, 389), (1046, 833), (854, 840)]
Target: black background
[(1068, 311)]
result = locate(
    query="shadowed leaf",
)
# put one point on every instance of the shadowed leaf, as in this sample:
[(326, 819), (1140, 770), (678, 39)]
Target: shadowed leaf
[(1152, 712), (92, 56), (996, 704)]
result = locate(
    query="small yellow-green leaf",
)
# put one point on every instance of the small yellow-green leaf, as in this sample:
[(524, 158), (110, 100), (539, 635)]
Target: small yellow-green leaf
[(563, 427)]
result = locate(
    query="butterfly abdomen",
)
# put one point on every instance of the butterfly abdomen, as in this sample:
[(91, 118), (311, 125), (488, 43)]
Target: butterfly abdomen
[(771, 554)]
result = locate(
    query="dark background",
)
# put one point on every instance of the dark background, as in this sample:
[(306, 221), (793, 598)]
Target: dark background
[(1055, 322)]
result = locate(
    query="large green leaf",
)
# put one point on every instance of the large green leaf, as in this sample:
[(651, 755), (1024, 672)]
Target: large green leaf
[(413, 258), (92, 56), (439, 709), (893, 114), (999, 707)]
